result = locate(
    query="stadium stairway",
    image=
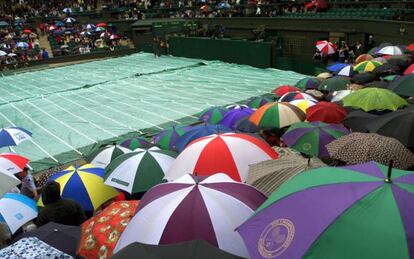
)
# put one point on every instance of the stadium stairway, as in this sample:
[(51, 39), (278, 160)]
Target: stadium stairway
[(44, 43)]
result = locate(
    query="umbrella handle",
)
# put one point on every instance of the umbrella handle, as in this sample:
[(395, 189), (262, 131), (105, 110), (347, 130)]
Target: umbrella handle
[(388, 179)]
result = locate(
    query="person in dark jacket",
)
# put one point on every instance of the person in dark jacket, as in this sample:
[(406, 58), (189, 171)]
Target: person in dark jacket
[(58, 210)]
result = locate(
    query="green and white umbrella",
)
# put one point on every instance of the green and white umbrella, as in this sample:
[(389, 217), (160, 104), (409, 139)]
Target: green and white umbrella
[(104, 155), (140, 170)]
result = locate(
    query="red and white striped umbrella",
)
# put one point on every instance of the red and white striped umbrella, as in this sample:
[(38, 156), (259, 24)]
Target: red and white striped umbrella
[(229, 153), (326, 47), (194, 208), (12, 163)]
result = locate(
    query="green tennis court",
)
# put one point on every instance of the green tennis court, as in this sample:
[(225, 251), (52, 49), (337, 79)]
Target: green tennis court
[(71, 109)]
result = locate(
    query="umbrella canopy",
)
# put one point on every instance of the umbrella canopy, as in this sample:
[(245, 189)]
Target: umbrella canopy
[(22, 45), (4, 24), (62, 237), (326, 112), (367, 66), (257, 102), (139, 171), (288, 97), (336, 67), (90, 26), (101, 232), (232, 117), (335, 84), (404, 86), (12, 163), (308, 83), (101, 24), (135, 142), (378, 84), (2, 53), (346, 71), (318, 95), (100, 29), (311, 137), (27, 31), (284, 89), (326, 47), (362, 58), (386, 69), (194, 208), (67, 10), (267, 176), (13, 136), (32, 247), (324, 75), (409, 70), (277, 115), (364, 78), (213, 114), (16, 210), (304, 104), (198, 132), (333, 203), (398, 125), (246, 126), (105, 155), (390, 50), (230, 153), (392, 78), (358, 148), (69, 20), (7, 182), (199, 249), (370, 99), (403, 61), (358, 120), (168, 138), (85, 185)]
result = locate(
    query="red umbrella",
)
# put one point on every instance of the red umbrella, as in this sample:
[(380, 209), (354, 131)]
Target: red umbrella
[(410, 47), (27, 31), (284, 89), (409, 70), (326, 47), (12, 163), (326, 112), (101, 24)]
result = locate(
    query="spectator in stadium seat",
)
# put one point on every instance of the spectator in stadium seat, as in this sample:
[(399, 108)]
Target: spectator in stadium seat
[(28, 186)]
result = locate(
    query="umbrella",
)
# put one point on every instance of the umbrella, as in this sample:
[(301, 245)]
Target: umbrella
[(7, 182), (318, 95), (367, 66), (403, 61), (167, 139), (404, 86), (303, 104), (2, 53), (232, 117), (333, 204), (398, 125), (198, 132), (90, 26), (326, 112), (16, 210), (32, 247), (257, 102), (288, 97), (364, 78), (100, 29), (27, 31), (113, 37), (277, 115), (12, 163), (194, 208), (359, 147), (311, 137), (410, 47), (324, 75), (62, 237), (212, 115), (308, 83), (206, 8), (362, 58), (13, 136), (59, 23), (283, 89), (334, 84), (135, 142), (409, 70), (246, 126), (378, 84), (346, 71), (137, 172), (4, 24), (199, 249), (358, 120), (12, 54), (336, 67), (230, 153), (70, 20), (101, 232), (22, 45), (267, 176), (392, 78), (370, 99), (390, 50), (102, 24), (67, 10), (106, 154), (85, 185), (326, 47), (386, 69)]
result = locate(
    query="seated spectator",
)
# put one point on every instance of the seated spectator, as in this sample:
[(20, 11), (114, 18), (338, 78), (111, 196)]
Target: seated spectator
[(58, 210), (45, 54), (28, 186)]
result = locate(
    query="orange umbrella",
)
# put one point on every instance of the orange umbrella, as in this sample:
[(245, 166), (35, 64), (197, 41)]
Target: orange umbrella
[(362, 58), (101, 232)]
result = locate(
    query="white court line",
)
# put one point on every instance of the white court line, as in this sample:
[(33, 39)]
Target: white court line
[(31, 140), (61, 122)]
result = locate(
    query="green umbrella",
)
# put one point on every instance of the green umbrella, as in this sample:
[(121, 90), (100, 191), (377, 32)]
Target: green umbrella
[(257, 102), (308, 83), (135, 142), (335, 84), (367, 66), (139, 171), (390, 78), (104, 155), (404, 85), (168, 138), (369, 99), (212, 115)]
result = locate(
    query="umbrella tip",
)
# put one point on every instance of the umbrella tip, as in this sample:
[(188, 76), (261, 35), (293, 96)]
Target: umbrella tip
[(388, 179)]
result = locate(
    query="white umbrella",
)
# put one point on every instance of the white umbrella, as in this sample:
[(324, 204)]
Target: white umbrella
[(67, 10), (16, 210), (103, 156), (2, 53), (70, 20), (339, 95), (7, 182), (390, 50), (12, 54)]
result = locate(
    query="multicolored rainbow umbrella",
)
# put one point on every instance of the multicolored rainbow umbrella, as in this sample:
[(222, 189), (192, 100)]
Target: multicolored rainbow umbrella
[(362, 58), (212, 115), (257, 102), (361, 211), (135, 142), (12, 163), (277, 115), (232, 117), (85, 185), (288, 97), (283, 89), (367, 66), (303, 104), (308, 83), (168, 138), (311, 137)]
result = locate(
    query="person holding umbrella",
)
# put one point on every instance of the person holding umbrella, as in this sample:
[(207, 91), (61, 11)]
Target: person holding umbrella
[(28, 186)]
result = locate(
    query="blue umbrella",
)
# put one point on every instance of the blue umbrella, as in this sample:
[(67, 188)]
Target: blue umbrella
[(59, 23), (3, 24), (232, 117), (13, 136), (198, 132), (22, 44), (16, 210), (336, 67)]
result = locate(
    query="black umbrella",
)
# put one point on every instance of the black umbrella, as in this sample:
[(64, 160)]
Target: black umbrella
[(62, 237), (386, 69), (246, 126), (378, 84), (402, 61), (363, 78), (358, 120), (398, 124), (189, 250)]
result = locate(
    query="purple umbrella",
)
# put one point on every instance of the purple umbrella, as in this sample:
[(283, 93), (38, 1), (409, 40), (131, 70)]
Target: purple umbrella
[(232, 117), (192, 208), (168, 138)]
